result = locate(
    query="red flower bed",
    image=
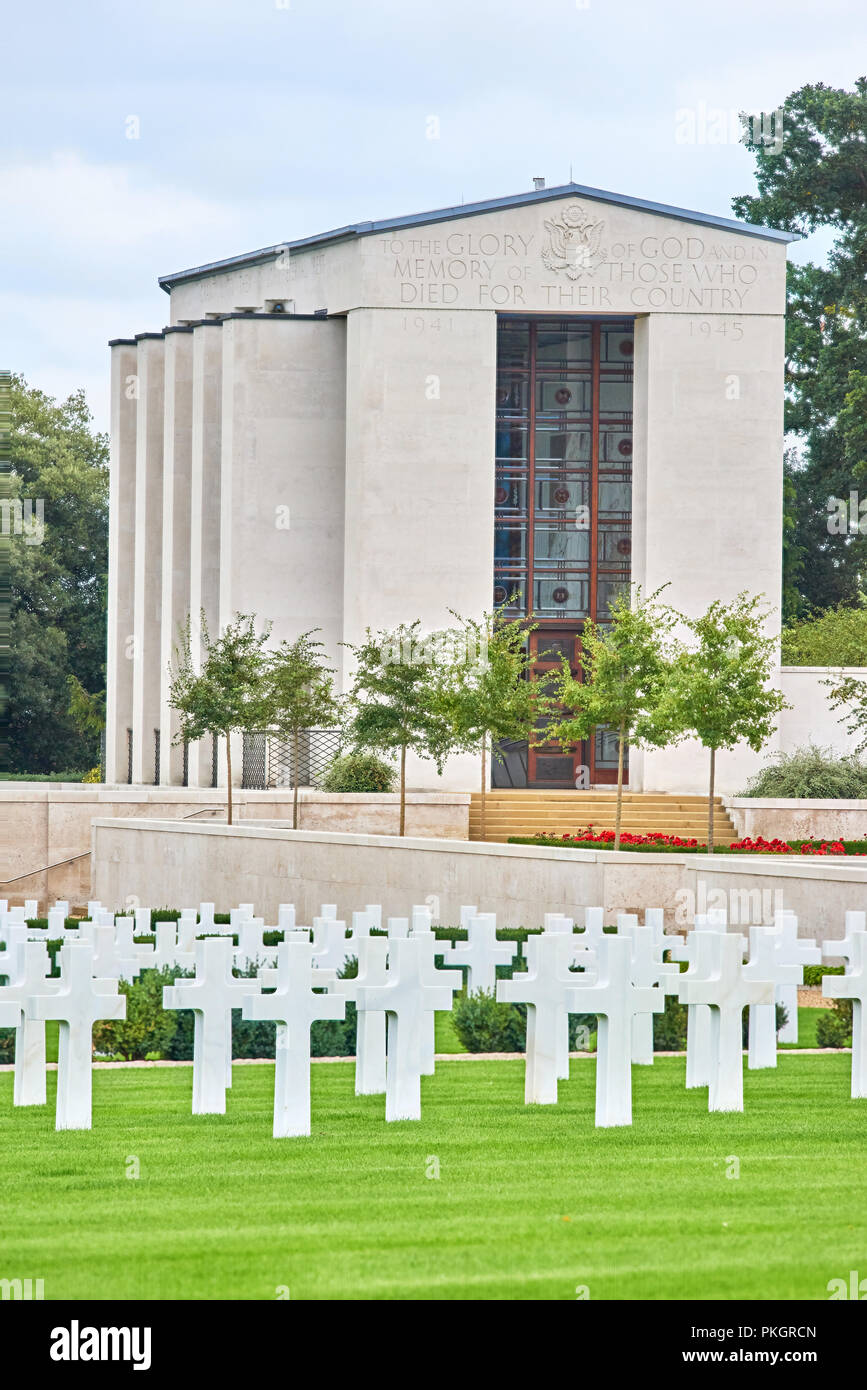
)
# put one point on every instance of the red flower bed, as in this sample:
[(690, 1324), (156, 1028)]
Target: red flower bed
[(745, 846), (606, 837)]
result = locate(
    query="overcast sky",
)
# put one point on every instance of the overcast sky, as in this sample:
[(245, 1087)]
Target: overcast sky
[(259, 121)]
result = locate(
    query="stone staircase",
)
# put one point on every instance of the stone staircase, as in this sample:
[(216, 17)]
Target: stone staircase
[(558, 812)]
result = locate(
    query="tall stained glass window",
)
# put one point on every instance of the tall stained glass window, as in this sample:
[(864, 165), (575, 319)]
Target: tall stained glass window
[(563, 503), (563, 500)]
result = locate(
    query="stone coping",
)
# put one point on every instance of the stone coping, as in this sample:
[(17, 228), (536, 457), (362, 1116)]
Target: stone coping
[(791, 865), (794, 803), (215, 796)]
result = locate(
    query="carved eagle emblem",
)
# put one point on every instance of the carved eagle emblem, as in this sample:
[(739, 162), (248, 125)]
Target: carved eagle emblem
[(572, 245)]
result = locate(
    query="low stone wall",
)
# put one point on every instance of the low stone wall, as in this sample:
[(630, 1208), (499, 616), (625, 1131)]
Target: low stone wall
[(795, 819), (182, 865), (45, 826)]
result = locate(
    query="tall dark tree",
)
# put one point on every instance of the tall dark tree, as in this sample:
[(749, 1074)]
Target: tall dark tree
[(819, 179), (55, 515)]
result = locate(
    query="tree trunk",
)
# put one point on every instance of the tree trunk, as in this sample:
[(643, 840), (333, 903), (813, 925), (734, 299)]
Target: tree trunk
[(402, 789), (228, 737), (294, 779), (710, 803), (483, 806), (617, 814)]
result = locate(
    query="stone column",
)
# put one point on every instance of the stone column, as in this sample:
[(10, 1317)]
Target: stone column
[(204, 552), (282, 477), (121, 543), (148, 554), (176, 533), (419, 477), (709, 487)]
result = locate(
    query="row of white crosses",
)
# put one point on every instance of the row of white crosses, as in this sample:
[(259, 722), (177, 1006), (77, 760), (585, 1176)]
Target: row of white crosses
[(397, 991), (93, 958)]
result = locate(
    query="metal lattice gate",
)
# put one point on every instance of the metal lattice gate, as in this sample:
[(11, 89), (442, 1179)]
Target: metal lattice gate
[(268, 761)]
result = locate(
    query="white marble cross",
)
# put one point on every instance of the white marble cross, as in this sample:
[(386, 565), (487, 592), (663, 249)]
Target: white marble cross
[(166, 953), (362, 925), (594, 925), (251, 949), (56, 925), (726, 991), (143, 922), (370, 1073), (610, 993), (853, 985), (285, 917), (187, 931), (654, 917), (550, 992), (397, 927), (421, 919), (212, 994), (109, 960), (647, 970), (78, 1003), (133, 955), (413, 988), (856, 925), (13, 935), (293, 1006), (31, 908), (330, 944), (205, 915), (374, 912), (856, 922), (466, 913), (556, 924), (28, 976), (700, 951), (765, 964), (794, 950), (481, 953)]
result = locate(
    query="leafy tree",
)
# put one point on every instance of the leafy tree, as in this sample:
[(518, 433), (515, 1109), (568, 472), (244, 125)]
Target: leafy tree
[(625, 665), (484, 686), (819, 179), (56, 498), (849, 694), (299, 694), (228, 693), (717, 689), (394, 700)]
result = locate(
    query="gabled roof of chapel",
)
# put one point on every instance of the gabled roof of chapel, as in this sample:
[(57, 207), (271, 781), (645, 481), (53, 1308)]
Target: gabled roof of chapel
[(421, 219)]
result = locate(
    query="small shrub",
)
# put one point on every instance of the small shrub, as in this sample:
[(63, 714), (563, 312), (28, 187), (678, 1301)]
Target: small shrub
[(484, 1025), (148, 1027), (359, 772), (810, 773), (834, 1028), (7, 1045)]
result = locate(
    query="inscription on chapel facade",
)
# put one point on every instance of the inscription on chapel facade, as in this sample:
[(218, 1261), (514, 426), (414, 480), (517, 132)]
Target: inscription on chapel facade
[(573, 263)]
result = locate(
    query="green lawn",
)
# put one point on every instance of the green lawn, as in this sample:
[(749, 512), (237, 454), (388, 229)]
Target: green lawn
[(530, 1202)]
